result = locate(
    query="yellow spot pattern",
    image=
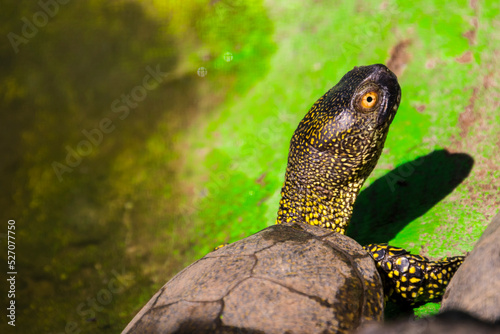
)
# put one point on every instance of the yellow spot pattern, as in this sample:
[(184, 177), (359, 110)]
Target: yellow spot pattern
[(403, 272)]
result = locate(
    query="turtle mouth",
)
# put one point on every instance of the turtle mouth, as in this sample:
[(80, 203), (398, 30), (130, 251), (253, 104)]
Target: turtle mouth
[(389, 106)]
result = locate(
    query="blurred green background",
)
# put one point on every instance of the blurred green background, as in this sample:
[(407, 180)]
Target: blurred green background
[(118, 178)]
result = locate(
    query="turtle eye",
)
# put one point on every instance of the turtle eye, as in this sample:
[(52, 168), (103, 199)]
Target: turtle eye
[(369, 100)]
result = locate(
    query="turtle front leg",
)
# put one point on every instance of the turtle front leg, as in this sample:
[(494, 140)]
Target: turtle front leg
[(410, 278), (220, 246)]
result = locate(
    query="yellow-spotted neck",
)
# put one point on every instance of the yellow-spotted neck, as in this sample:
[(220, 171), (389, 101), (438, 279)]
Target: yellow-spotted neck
[(336, 146), (332, 152)]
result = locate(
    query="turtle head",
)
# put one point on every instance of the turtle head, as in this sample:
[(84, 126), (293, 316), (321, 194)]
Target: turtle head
[(336, 146), (352, 116)]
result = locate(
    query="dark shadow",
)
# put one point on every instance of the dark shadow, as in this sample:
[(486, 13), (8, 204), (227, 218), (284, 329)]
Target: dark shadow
[(394, 311), (449, 321), (406, 193)]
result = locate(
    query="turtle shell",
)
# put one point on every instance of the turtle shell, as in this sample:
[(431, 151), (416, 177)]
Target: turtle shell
[(283, 279)]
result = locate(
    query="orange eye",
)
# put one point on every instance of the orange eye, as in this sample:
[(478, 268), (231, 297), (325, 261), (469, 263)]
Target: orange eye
[(369, 100)]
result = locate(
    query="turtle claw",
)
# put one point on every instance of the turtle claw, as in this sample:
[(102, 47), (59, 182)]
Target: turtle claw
[(220, 246), (409, 278)]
